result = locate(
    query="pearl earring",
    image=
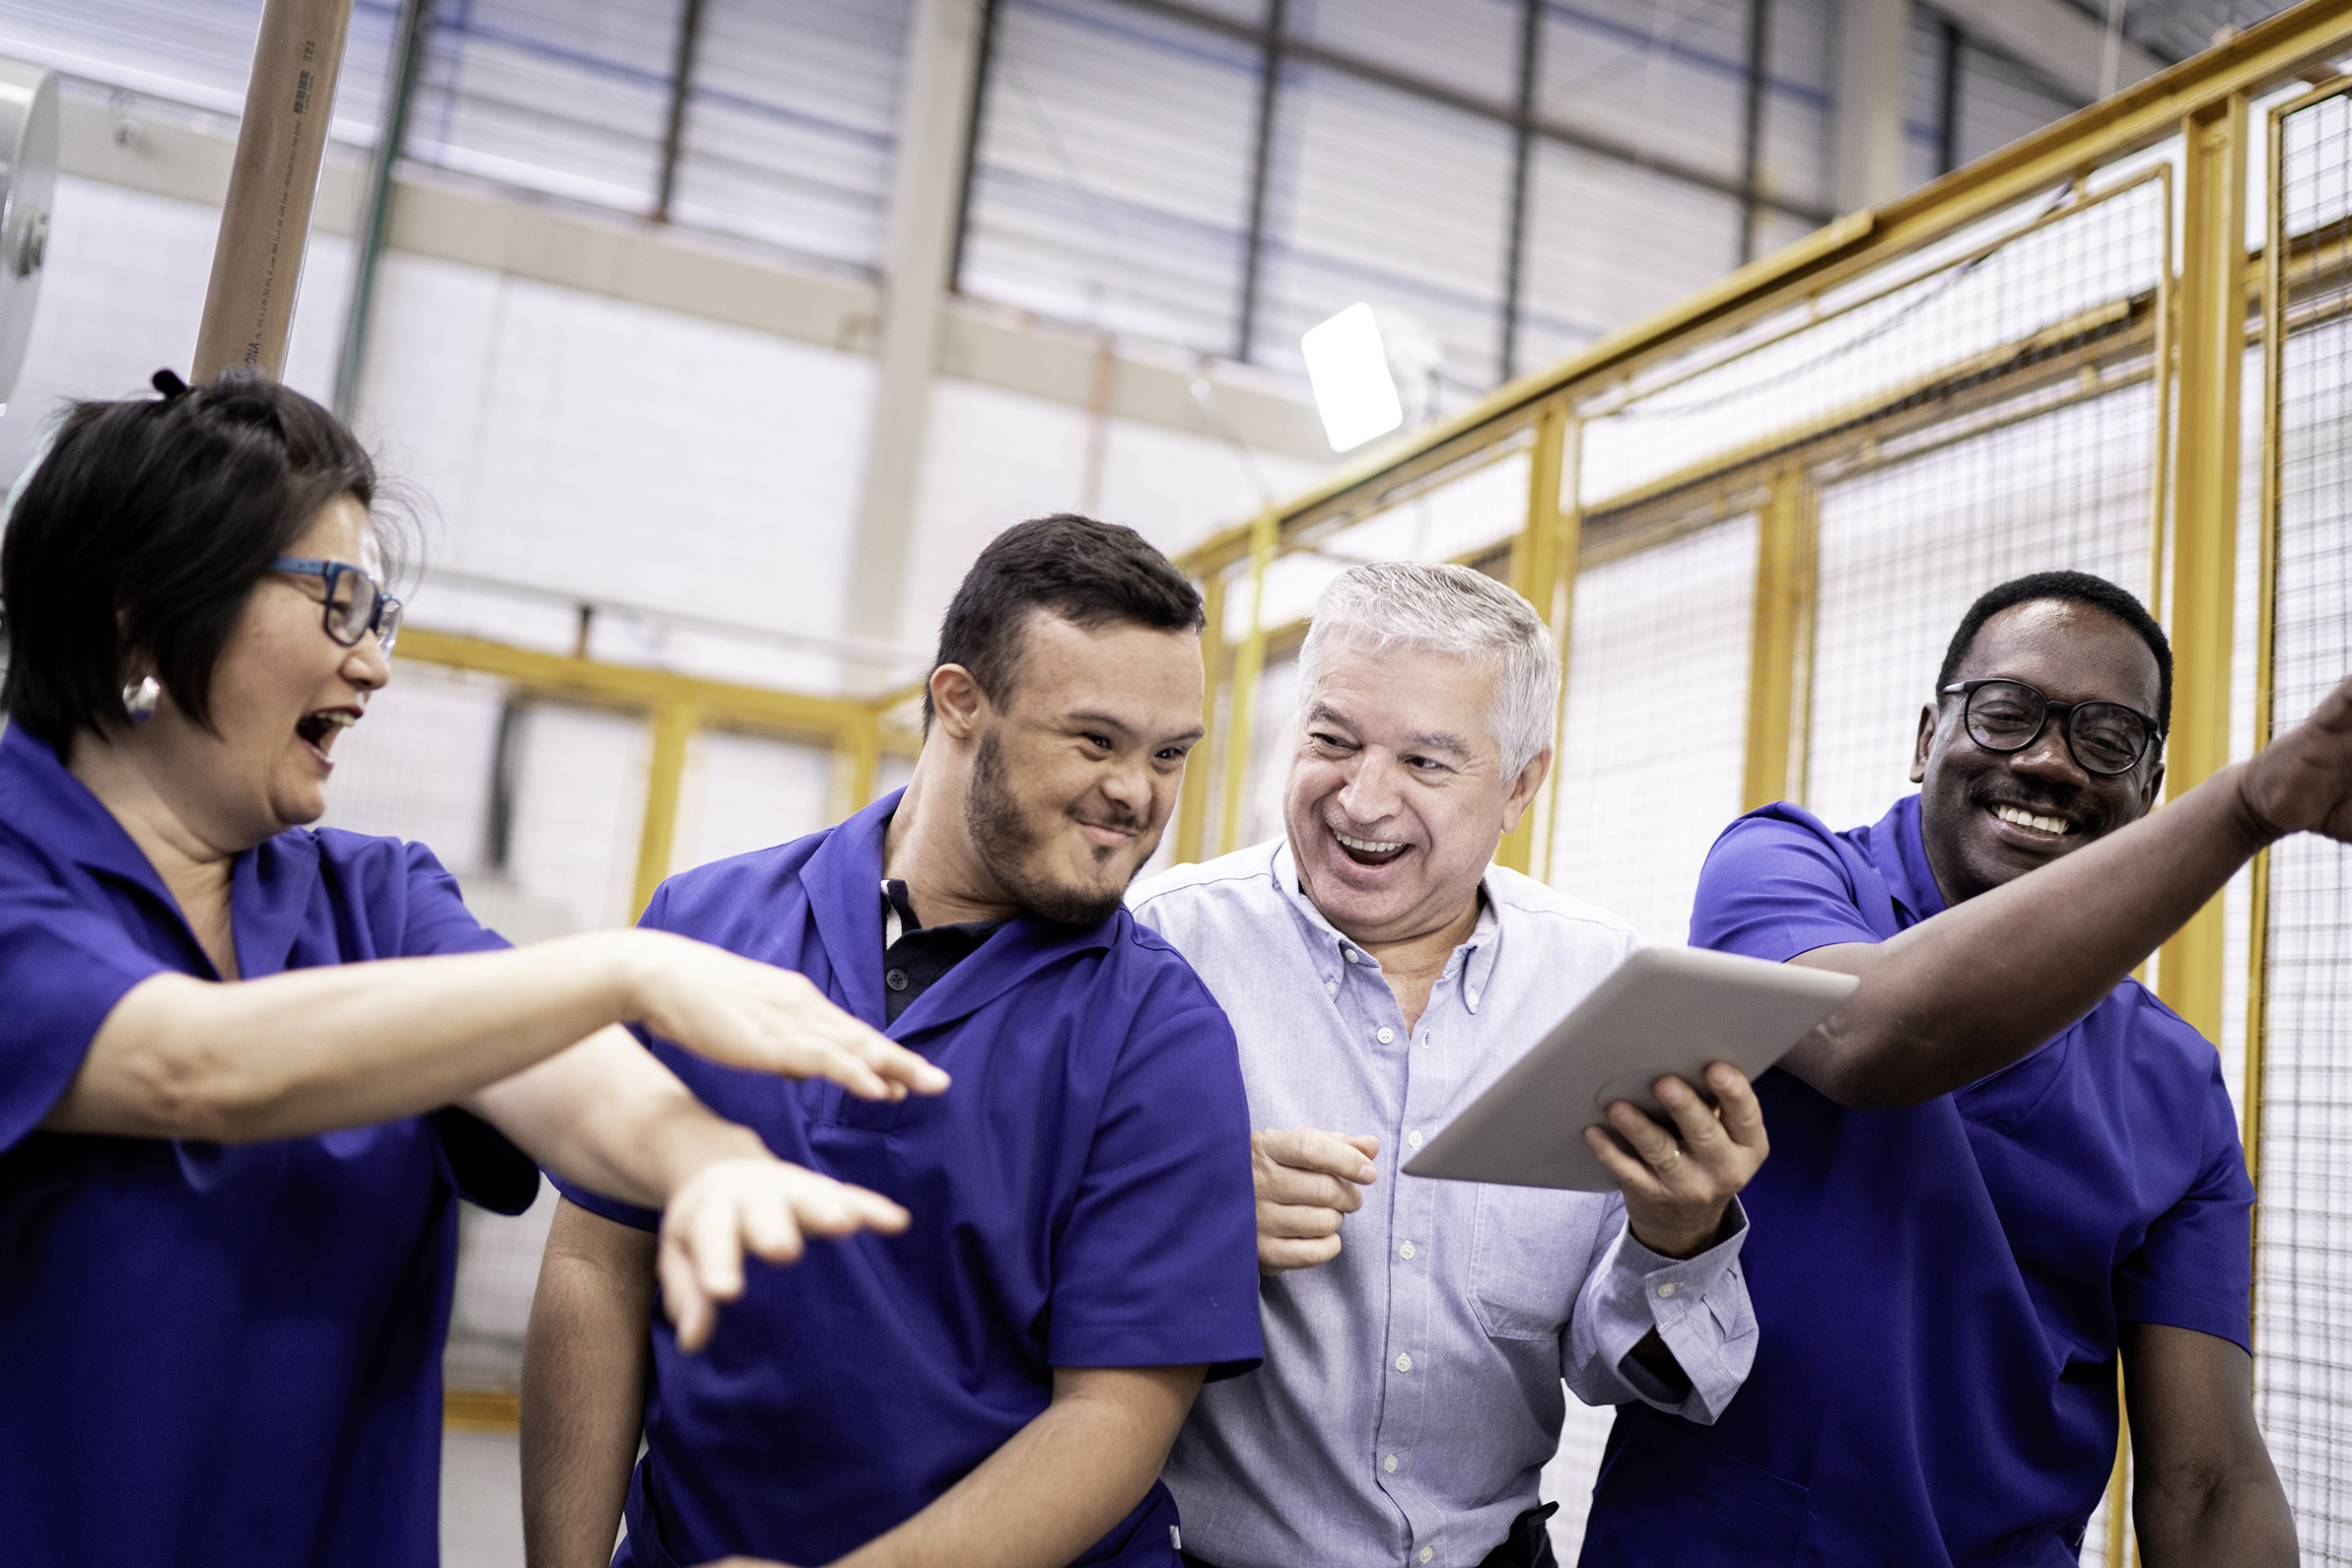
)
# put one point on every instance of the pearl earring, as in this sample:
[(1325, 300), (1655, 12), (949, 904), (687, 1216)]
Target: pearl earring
[(140, 697)]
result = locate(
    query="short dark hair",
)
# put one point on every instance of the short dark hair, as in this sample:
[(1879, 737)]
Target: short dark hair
[(2070, 587), (145, 528), (1090, 573)]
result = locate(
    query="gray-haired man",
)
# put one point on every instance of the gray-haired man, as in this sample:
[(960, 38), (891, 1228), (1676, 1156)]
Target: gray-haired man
[(1380, 972)]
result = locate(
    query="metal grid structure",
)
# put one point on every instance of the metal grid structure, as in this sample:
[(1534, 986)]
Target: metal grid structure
[(2041, 359), (2299, 1067), (559, 792)]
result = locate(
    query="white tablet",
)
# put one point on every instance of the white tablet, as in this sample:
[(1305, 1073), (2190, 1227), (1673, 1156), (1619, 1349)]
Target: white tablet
[(1666, 1010)]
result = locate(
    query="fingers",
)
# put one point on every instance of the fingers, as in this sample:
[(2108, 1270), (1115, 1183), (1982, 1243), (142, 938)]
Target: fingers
[(1297, 1221), (1280, 1256), (1695, 1120), (1307, 1150), (766, 1207), (1279, 1183), (862, 1060), (690, 1311), (1736, 1104), (1635, 1178)]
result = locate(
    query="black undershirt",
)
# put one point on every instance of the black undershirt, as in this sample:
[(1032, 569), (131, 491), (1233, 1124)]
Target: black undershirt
[(922, 953)]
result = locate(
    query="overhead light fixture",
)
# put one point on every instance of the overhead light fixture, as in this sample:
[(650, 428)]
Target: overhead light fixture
[(1372, 368)]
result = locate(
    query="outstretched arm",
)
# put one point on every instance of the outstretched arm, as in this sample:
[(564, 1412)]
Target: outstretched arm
[(585, 1363), (1982, 985), (303, 1052), (608, 1117), (2204, 1488)]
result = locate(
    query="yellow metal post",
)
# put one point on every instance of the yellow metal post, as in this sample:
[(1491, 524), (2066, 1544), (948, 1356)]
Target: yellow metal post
[(673, 726), (1564, 628), (1780, 641), (1535, 575), (2205, 478), (1249, 662), (857, 765), (1191, 799)]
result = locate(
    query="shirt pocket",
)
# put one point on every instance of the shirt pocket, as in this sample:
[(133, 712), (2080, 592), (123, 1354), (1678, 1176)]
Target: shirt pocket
[(1528, 1250)]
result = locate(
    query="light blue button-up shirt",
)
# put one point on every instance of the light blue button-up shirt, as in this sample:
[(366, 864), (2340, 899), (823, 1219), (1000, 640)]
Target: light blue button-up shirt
[(1412, 1386)]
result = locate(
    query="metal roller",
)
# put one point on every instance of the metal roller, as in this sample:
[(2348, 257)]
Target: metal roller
[(27, 186)]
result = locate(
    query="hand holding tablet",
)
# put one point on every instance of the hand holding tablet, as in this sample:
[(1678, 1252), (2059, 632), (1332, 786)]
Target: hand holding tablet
[(1666, 1012)]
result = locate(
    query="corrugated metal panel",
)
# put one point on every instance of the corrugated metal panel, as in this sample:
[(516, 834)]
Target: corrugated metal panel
[(1670, 80), (792, 124), (1795, 163), (191, 51), (568, 97), (2001, 101), (1471, 46), (1113, 175), (1379, 195), (1923, 101), (1608, 242)]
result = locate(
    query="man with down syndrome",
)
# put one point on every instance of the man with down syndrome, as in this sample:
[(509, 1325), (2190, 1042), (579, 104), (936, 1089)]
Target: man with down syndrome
[(2002, 1164), (998, 1386), (1380, 972)]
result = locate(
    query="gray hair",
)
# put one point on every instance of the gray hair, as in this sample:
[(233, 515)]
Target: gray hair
[(1453, 610)]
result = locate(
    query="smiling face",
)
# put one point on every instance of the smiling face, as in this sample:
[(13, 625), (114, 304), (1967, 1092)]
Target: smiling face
[(1989, 817), (1397, 795), (1074, 778), (282, 692)]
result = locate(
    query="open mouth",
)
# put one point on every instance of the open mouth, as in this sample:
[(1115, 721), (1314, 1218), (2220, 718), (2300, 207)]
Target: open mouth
[(1368, 852), (318, 731), (2052, 828)]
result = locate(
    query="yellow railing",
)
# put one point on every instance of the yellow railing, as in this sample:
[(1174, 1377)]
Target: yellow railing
[(675, 705), (2189, 135)]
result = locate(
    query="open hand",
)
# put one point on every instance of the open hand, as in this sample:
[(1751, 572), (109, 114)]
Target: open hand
[(748, 1015), (757, 1204), (1307, 1181), (2302, 782), (1678, 1182)]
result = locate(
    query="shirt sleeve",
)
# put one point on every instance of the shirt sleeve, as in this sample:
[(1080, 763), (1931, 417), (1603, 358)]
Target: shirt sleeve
[(656, 918), (437, 920), (1772, 889), (63, 967), (488, 1170), (1699, 1306), (2194, 1269), (1158, 1264)]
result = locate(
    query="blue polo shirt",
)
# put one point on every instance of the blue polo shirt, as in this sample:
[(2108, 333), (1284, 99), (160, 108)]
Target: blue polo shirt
[(1938, 1288), (216, 1354), (1080, 1197)]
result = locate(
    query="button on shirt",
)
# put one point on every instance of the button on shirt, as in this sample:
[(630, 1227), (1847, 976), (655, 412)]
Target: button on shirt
[(1412, 1386), (1080, 1197), (1999, 1236), (216, 1351)]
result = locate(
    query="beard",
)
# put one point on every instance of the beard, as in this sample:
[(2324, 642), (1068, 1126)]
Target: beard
[(1008, 843)]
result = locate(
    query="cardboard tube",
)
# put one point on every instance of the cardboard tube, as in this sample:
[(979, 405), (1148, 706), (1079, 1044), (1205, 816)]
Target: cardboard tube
[(257, 262)]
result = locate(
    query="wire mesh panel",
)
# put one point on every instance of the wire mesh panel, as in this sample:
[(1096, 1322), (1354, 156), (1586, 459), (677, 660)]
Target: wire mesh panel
[(745, 792), (535, 810), (1649, 770), (1651, 755), (1991, 320), (1904, 550), (2304, 1260)]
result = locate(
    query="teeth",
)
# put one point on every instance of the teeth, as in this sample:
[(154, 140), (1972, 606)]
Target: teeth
[(1365, 844), (2026, 819)]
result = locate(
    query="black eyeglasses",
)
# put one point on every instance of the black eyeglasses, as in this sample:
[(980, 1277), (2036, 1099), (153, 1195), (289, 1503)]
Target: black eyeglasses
[(2104, 738), (355, 604)]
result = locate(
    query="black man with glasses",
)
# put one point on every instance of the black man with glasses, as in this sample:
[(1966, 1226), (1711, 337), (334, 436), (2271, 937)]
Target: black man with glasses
[(2003, 1166)]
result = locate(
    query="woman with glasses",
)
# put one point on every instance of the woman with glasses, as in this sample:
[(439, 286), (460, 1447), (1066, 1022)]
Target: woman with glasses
[(247, 1068)]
